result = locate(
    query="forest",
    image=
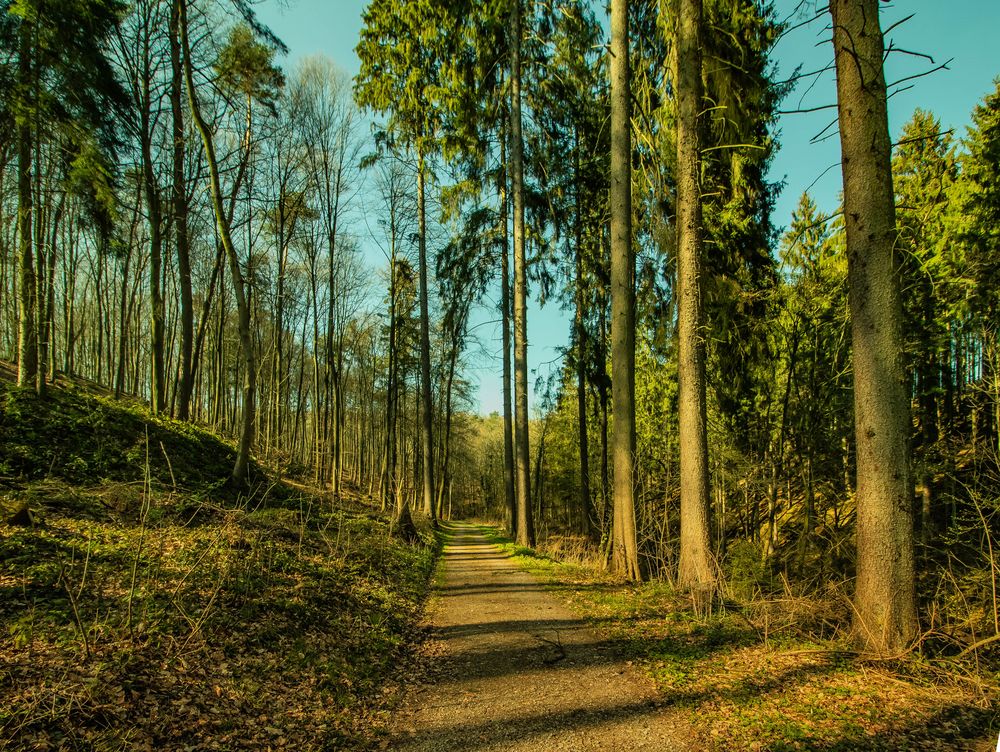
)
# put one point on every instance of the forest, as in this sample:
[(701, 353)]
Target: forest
[(228, 283)]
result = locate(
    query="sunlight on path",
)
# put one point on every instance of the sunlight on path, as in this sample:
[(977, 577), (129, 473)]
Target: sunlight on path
[(517, 670)]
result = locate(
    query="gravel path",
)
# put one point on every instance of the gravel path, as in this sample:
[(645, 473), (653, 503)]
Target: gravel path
[(514, 669)]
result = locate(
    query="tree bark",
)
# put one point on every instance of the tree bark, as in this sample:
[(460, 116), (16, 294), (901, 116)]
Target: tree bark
[(624, 554), (525, 523), (180, 213), (427, 415), (885, 602), (154, 209), (27, 341), (587, 526), (508, 422), (695, 568)]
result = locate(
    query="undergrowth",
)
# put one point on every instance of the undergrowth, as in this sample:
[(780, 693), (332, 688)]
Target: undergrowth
[(748, 680), (144, 604)]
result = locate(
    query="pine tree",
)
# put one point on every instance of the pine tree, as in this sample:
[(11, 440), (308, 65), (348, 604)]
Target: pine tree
[(625, 556), (885, 600), (696, 569)]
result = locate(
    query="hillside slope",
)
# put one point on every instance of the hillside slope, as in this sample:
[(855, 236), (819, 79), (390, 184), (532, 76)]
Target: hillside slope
[(145, 605)]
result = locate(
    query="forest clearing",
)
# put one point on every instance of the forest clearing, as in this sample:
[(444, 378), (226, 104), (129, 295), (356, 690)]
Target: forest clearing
[(549, 374)]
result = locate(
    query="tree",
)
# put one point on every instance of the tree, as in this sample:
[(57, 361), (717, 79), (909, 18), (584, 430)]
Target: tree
[(885, 601), (65, 90), (329, 130), (399, 66), (978, 201), (179, 216), (625, 555), (813, 421), (398, 220), (569, 155), (924, 173), (245, 66), (522, 460), (695, 569)]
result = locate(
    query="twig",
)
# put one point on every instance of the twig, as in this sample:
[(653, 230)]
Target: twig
[(170, 467), (981, 643), (64, 581)]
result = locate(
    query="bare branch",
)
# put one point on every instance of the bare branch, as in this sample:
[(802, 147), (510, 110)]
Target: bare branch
[(943, 66), (822, 135), (924, 138), (807, 109), (898, 23)]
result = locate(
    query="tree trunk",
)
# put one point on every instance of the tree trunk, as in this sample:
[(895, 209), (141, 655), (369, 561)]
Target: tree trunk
[(180, 212), (885, 604), (240, 468), (624, 551), (47, 345), (402, 522), (27, 341), (587, 526), (508, 424), (153, 208), (427, 415), (695, 569), (525, 523)]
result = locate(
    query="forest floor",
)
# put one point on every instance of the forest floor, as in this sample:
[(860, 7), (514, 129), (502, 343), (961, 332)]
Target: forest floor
[(537, 654), (513, 668), (146, 604)]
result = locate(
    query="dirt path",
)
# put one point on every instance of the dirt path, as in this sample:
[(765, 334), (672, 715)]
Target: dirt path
[(515, 669)]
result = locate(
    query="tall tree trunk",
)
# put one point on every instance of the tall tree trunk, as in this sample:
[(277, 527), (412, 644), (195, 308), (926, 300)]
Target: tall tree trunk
[(525, 523), (153, 207), (508, 419), (695, 568), (389, 459), (587, 526), (427, 415), (445, 479), (47, 345), (27, 341), (41, 215), (241, 465), (124, 306), (625, 554), (885, 602), (180, 223)]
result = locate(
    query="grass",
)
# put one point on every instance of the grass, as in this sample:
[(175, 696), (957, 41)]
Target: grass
[(150, 606), (741, 687)]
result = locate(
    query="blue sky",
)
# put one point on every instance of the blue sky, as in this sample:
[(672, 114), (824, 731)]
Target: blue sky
[(963, 31)]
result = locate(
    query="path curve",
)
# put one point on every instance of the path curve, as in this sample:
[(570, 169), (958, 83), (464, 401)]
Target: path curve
[(514, 669)]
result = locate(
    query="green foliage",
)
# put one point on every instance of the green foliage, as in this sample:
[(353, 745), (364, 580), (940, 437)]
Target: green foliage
[(246, 66), (980, 197), (402, 45)]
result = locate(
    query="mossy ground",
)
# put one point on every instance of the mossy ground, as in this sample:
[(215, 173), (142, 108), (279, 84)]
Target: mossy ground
[(152, 606), (743, 686)]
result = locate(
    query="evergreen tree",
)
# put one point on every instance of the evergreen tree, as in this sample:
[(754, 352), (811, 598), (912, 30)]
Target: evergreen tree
[(885, 599), (625, 556)]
